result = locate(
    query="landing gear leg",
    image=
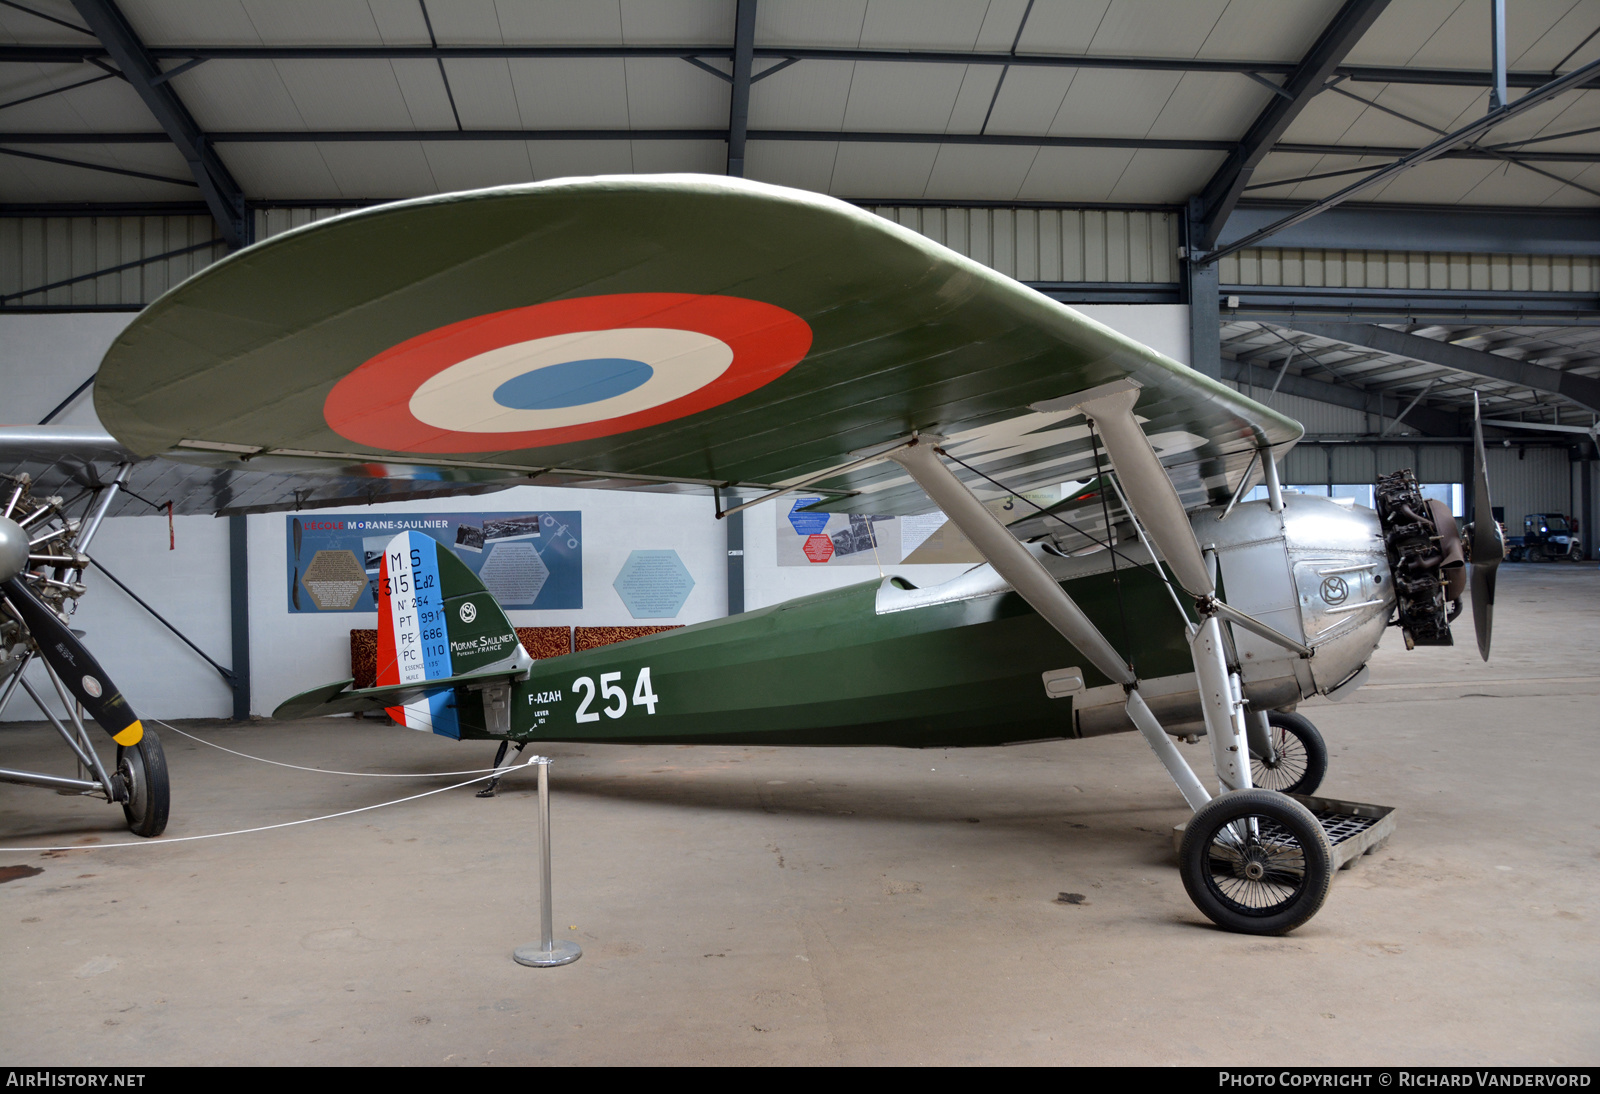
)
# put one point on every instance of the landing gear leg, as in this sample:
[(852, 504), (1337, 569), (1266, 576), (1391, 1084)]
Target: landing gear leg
[(488, 789), (1253, 860), (1242, 818)]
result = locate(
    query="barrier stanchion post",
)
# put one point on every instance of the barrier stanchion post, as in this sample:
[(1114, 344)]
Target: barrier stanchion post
[(548, 952)]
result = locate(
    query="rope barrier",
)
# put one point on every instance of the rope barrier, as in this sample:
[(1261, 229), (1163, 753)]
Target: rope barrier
[(265, 827), (321, 770)]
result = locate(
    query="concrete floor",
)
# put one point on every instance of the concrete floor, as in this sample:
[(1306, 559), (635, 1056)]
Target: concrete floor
[(756, 905)]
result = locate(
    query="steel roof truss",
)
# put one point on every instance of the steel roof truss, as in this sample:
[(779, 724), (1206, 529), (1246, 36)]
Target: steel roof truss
[(221, 192), (1580, 389), (744, 40), (1222, 193)]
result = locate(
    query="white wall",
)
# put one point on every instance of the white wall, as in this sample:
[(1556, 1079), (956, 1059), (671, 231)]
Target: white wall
[(43, 358), (160, 676), (1162, 327)]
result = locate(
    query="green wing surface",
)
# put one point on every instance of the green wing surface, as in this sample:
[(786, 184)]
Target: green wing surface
[(642, 330)]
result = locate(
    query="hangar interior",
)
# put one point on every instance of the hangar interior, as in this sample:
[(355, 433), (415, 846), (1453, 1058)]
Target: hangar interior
[(1083, 148), (1370, 215)]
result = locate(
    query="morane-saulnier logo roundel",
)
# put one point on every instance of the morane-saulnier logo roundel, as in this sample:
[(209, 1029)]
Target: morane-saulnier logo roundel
[(568, 370)]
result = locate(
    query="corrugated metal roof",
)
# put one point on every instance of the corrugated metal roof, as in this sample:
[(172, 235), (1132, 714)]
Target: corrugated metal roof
[(405, 94)]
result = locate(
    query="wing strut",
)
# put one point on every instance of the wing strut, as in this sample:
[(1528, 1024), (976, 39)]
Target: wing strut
[(1027, 575), (1011, 559), (1110, 409)]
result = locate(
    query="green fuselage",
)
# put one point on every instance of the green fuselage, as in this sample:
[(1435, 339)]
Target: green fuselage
[(829, 669)]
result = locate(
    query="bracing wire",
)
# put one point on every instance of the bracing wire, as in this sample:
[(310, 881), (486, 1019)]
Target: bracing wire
[(1156, 573)]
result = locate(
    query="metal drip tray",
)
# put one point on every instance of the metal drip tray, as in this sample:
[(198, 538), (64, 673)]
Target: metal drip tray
[(1354, 828)]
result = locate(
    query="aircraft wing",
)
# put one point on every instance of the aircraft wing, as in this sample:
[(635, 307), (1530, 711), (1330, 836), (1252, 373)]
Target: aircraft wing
[(69, 460), (647, 332)]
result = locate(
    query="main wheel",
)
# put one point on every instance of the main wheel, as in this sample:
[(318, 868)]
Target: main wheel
[(1256, 862), (144, 768), (1302, 756)]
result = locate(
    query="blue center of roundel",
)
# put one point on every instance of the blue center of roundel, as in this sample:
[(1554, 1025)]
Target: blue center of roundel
[(572, 383)]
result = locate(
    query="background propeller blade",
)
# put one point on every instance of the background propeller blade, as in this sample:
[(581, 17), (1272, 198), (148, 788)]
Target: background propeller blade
[(1488, 546), (76, 666)]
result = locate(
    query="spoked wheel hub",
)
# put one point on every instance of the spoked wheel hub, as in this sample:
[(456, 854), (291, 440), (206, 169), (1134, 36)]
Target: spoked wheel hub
[(1256, 862), (1299, 758)]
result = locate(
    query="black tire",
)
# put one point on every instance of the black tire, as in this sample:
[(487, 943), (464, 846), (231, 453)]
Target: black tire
[(1302, 761), (1256, 862), (144, 769)]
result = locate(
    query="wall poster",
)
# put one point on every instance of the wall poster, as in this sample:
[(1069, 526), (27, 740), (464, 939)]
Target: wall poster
[(527, 560), (849, 539)]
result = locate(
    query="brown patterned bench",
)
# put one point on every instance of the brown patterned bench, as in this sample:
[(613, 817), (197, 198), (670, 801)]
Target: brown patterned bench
[(589, 638)]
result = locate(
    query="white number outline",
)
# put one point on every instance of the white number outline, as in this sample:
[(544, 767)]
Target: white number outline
[(610, 691), (644, 694), (587, 686)]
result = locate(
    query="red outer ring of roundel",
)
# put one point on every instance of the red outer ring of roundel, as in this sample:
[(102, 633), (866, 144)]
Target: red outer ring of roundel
[(372, 404)]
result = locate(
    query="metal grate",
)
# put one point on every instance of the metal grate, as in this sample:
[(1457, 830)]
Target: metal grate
[(1343, 826)]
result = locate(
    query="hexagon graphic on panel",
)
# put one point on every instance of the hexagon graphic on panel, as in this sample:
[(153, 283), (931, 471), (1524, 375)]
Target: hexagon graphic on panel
[(818, 548), (653, 584), (806, 524), (514, 573), (335, 580)]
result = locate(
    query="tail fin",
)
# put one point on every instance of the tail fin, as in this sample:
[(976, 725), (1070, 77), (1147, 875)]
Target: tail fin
[(435, 621)]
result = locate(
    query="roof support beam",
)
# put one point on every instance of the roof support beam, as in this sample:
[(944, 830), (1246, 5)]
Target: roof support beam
[(222, 194), (1180, 144), (1391, 74), (1574, 79), (1583, 390), (1200, 292), (1457, 229), (1434, 423), (331, 136), (1222, 193), (744, 42), (1476, 152)]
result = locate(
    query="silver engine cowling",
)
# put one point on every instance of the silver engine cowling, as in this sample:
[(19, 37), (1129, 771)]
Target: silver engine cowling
[(1319, 573)]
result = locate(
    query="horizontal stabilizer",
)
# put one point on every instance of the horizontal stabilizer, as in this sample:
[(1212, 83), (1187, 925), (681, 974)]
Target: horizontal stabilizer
[(340, 698)]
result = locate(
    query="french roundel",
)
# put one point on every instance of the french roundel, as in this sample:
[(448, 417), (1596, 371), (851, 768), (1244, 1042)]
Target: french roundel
[(568, 370)]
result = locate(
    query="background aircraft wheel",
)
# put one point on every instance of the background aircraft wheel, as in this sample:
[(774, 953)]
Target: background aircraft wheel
[(144, 768), (1302, 761), (1256, 862)]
